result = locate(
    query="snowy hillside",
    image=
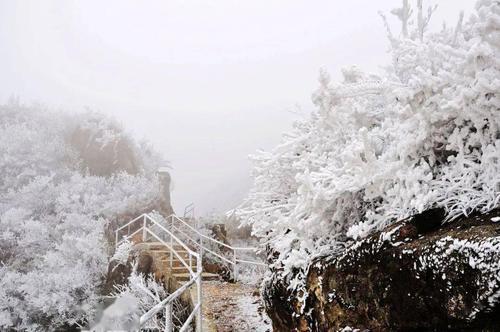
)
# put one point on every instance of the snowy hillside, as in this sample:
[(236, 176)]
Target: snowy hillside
[(63, 178)]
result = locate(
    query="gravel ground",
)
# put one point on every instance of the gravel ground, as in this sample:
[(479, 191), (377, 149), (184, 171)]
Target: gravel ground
[(234, 307)]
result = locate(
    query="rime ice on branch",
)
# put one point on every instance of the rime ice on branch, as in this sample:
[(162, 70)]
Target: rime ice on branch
[(57, 195), (379, 149)]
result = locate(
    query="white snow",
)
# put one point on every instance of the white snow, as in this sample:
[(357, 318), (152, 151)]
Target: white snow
[(381, 148), (53, 214), (254, 319)]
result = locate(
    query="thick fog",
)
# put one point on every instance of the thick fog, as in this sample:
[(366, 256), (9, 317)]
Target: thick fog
[(207, 82)]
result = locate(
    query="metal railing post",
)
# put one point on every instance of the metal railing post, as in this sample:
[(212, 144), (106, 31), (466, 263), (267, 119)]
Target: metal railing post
[(201, 246), (198, 292), (235, 266), (171, 252), (194, 278), (169, 326)]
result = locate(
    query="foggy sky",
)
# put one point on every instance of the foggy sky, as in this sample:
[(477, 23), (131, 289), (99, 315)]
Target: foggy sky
[(207, 82)]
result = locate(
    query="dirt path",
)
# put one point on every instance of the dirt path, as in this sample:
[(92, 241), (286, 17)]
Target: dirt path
[(234, 307)]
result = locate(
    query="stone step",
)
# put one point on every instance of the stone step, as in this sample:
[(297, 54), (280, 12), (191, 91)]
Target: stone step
[(166, 252), (165, 249), (161, 246), (181, 270), (177, 269), (176, 265), (205, 276), (176, 262)]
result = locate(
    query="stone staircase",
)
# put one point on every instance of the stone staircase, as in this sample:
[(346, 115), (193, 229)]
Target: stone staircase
[(181, 265), (161, 256)]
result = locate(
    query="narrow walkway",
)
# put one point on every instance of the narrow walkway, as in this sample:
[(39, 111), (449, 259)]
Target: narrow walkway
[(226, 307), (234, 307)]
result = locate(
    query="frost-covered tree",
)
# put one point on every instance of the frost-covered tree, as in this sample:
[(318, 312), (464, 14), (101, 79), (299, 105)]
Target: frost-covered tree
[(62, 180), (381, 148)]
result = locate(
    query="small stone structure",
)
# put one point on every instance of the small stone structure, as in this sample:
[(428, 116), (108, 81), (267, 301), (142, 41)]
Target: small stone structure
[(164, 202)]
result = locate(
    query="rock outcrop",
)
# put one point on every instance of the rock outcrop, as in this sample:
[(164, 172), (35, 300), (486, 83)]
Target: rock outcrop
[(213, 264), (416, 275), (164, 202), (104, 148)]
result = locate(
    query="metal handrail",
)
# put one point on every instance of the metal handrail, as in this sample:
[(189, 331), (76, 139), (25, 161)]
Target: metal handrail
[(210, 238), (195, 237), (250, 262), (179, 257), (191, 316), (199, 243), (159, 306), (173, 236), (184, 233), (195, 277), (189, 209)]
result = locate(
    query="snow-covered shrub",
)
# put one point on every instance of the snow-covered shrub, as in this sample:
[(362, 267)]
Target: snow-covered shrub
[(122, 315), (144, 292), (251, 274), (122, 252), (53, 216), (381, 148)]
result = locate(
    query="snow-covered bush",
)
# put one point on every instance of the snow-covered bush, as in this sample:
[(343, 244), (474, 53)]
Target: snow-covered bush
[(381, 148), (53, 214), (137, 297), (122, 252), (147, 293)]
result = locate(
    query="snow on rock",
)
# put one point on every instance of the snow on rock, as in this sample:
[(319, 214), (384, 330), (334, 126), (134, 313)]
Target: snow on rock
[(122, 253), (405, 277), (255, 318)]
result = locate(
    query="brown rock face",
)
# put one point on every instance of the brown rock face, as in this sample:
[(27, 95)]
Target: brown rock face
[(118, 273), (219, 233), (164, 206), (102, 156), (212, 264), (414, 276)]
